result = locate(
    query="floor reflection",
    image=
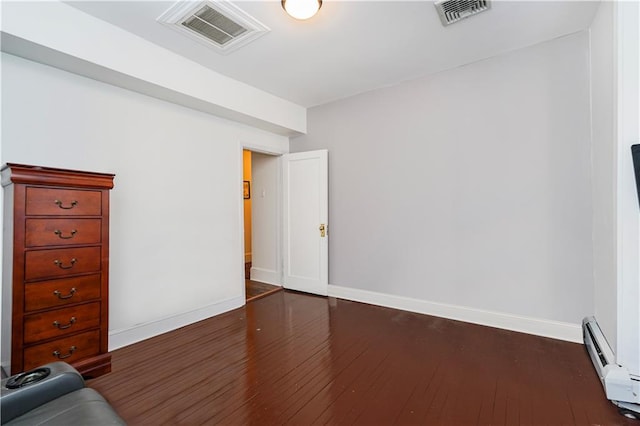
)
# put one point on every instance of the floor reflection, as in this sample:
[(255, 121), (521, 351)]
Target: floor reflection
[(303, 359)]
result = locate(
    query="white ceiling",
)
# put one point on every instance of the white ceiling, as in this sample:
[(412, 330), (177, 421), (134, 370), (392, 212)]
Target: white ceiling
[(354, 46)]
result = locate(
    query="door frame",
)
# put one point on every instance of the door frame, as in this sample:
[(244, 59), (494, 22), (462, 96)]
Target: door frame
[(279, 213)]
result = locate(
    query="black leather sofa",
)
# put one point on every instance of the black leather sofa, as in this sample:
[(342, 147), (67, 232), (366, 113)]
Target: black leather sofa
[(54, 394)]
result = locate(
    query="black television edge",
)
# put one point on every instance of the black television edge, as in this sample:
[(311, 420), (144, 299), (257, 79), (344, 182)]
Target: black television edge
[(635, 152)]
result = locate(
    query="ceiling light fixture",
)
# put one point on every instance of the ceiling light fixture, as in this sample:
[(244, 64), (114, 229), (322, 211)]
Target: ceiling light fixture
[(301, 9)]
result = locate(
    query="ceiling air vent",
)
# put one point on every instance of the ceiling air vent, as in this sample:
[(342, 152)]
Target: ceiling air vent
[(451, 11), (215, 23)]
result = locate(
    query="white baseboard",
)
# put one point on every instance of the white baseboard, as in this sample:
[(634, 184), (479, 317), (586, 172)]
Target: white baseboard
[(540, 327), (128, 336), (265, 276)]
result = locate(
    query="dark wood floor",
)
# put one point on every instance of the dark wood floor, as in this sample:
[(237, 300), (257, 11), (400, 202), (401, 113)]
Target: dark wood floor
[(255, 289), (299, 359)]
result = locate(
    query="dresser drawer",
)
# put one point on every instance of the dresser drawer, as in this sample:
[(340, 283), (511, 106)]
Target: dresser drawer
[(55, 232), (61, 262), (68, 349), (63, 202), (60, 292), (61, 322)]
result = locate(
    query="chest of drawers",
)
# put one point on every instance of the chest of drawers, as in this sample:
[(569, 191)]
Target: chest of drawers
[(56, 267)]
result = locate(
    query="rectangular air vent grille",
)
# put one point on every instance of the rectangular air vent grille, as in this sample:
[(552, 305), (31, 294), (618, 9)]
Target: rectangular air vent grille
[(215, 26), (215, 23), (451, 11)]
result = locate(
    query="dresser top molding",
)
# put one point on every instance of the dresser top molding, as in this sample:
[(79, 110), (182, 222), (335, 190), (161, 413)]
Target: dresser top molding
[(37, 175)]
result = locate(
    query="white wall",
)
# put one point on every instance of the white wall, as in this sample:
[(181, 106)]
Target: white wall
[(266, 226), (603, 112), (176, 209), (628, 220), (469, 188)]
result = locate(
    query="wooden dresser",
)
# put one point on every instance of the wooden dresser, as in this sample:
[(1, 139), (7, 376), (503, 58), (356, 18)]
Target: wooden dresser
[(56, 263)]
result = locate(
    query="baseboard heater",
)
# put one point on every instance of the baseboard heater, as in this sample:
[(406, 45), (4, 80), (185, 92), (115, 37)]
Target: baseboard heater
[(621, 388)]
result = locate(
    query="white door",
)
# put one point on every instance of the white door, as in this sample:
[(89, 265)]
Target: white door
[(305, 214)]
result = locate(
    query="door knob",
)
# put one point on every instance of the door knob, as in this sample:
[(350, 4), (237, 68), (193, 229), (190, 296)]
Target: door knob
[(323, 230)]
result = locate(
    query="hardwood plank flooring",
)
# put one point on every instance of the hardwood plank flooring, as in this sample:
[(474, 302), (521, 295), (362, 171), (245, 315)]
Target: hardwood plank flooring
[(255, 289), (292, 358)]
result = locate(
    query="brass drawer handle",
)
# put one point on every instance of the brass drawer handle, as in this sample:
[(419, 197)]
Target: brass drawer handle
[(61, 266), (59, 204), (59, 234), (58, 355), (64, 327), (69, 296)]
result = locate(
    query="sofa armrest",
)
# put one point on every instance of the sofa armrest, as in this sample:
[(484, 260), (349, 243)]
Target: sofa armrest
[(61, 380)]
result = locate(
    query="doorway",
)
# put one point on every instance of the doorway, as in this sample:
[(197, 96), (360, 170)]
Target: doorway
[(261, 198), (285, 233)]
